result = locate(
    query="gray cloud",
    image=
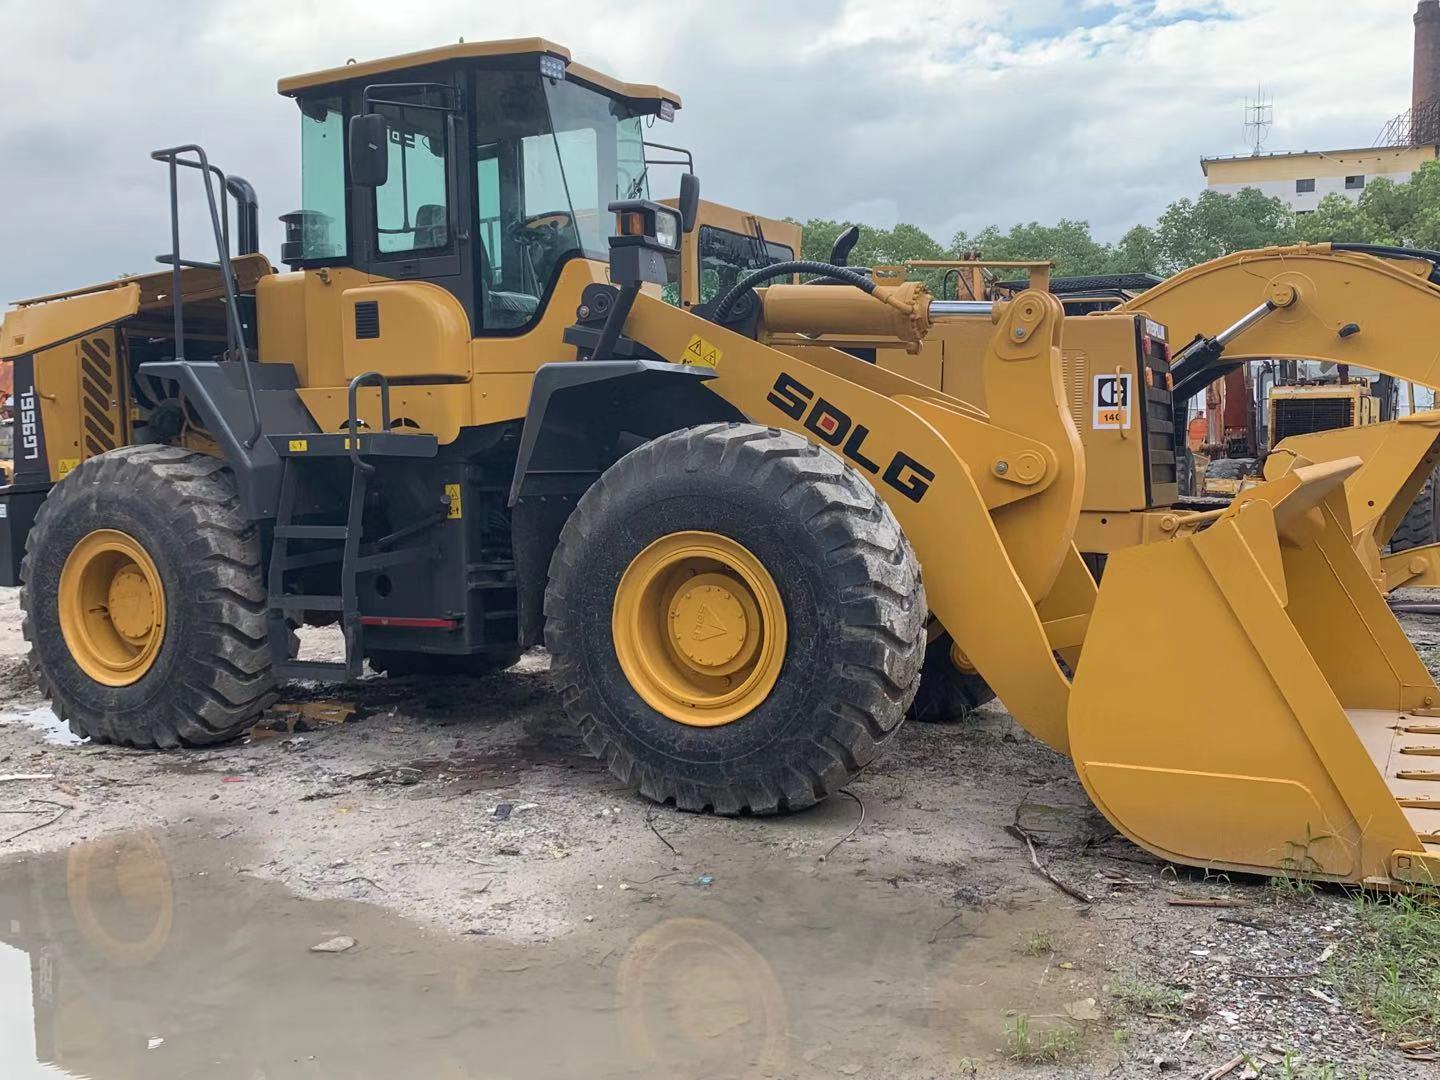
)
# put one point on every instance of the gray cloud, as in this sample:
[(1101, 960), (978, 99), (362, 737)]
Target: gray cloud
[(950, 115)]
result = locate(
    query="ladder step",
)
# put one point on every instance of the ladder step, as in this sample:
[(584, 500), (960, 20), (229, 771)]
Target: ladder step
[(311, 669), (307, 559), (368, 563), (294, 602), (311, 532)]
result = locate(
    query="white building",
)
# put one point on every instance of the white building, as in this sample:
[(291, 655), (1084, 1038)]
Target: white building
[(1303, 178)]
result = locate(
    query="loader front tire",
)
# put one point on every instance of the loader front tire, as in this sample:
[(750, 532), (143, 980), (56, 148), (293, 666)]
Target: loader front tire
[(735, 620), (144, 603), (947, 694)]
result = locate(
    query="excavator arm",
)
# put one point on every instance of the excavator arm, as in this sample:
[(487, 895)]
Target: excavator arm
[(1372, 308), (1324, 302)]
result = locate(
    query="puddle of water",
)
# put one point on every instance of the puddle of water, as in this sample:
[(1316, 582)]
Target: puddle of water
[(43, 719), (146, 956)]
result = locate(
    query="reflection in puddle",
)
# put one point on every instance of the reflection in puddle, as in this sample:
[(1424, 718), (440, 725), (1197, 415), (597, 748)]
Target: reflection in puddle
[(57, 732), (143, 956)]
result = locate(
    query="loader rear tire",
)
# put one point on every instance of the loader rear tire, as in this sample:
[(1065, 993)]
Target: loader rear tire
[(400, 664), (796, 550), (947, 694), (144, 603), (1421, 523)]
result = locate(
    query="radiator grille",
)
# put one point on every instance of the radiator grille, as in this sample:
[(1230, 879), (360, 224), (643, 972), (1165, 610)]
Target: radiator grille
[(367, 319), (97, 396), (1301, 416)]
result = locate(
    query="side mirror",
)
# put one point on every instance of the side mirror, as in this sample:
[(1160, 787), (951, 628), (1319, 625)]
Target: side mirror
[(689, 201), (844, 244), (369, 150)]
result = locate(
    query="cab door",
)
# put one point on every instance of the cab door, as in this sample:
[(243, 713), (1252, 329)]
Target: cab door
[(417, 225)]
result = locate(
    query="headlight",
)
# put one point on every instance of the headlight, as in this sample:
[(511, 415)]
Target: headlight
[(667, 229)]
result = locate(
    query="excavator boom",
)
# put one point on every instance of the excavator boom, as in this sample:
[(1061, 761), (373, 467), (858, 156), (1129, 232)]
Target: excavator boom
[(1363, 307)]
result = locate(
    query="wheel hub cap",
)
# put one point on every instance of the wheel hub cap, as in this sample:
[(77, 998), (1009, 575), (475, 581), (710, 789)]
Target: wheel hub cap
[(708, 624), (132, 605)]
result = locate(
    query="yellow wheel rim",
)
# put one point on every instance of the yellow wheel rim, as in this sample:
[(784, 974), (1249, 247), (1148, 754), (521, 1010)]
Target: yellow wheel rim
[(699, 628), (112, 607)]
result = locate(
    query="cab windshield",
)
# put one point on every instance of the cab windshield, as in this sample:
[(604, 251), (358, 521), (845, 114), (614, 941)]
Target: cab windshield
[(550, 156)]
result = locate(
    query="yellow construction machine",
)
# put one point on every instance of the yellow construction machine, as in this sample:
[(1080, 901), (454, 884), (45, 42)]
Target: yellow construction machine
[(464, 421), (1358, 308)]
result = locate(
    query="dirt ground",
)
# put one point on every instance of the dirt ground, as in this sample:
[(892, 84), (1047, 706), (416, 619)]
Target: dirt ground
[(469, 808)]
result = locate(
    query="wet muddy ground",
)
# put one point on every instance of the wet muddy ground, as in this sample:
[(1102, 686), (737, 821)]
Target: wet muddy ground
[(515, 914)]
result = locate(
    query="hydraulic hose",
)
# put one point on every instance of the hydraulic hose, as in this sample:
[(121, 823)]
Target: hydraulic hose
[(1382, 250), (780, 269)]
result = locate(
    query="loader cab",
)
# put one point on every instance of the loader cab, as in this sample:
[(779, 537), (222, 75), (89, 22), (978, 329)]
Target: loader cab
[(482, 169)]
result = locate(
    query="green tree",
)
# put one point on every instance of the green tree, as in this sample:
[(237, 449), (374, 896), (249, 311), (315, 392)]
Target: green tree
[(1193, 231), (876, 247), (1340, 220), (1190, 231), (1068, 244), (1138, 252)]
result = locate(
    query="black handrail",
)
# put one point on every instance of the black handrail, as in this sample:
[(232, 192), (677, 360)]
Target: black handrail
[(220, 225), (353, 422)]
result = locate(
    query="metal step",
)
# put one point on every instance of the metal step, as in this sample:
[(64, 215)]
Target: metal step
[(311, 669), (302, 602), (311, 532), (371, 444)]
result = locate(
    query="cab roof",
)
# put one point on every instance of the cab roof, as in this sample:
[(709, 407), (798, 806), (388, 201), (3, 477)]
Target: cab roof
[(467, 50)]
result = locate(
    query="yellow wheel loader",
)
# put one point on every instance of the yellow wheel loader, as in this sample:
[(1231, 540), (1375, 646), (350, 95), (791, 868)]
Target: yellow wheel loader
[(465, 421)]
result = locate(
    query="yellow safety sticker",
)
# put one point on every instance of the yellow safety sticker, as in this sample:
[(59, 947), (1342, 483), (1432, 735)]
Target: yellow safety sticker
[(64, 465), (299, 446), (700, 353), (452, 492)]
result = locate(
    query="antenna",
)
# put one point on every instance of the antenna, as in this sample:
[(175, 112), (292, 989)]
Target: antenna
[(1259, 115)]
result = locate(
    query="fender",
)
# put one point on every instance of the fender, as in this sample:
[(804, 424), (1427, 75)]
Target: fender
[(216, 391), (583, 416)]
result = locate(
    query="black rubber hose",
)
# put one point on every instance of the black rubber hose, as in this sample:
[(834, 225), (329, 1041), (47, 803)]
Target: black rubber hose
[(794, 266), (1382, 250)]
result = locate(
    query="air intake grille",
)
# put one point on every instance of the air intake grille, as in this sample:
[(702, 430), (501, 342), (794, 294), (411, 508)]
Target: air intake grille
[(1301, 416), (97, 396), (1075, 367), (367, 319)]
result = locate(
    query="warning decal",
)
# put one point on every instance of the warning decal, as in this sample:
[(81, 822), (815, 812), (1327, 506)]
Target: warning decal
[(1112, 403), (700, 353)]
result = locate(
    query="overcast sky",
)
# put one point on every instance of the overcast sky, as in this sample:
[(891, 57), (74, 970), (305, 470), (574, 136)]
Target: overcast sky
[(950, 115)]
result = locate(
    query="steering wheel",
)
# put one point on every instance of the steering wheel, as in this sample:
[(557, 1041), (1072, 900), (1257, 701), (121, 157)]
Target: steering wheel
[(543, 228)]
